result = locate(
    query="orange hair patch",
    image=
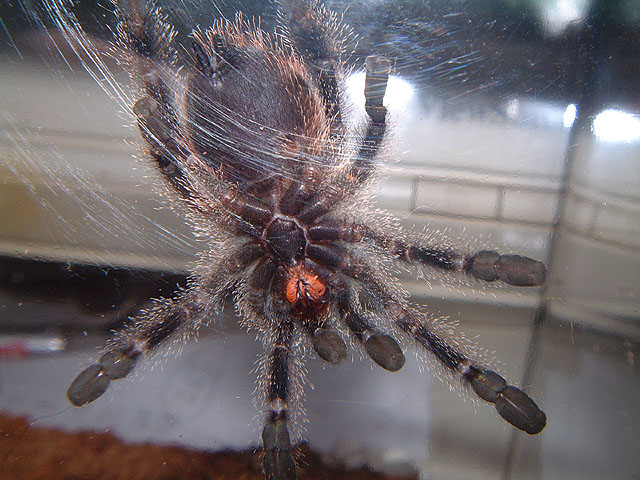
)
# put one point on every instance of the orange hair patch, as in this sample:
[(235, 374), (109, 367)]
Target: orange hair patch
[(304, 286)]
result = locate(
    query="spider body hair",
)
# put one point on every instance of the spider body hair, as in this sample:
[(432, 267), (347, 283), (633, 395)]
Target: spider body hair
[(253, 144)]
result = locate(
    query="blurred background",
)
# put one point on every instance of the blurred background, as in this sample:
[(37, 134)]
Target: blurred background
[(516, 126)]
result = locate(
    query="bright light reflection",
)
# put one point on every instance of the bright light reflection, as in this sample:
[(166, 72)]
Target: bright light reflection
[(540, 112), (399, 91), (569, 115), (616, 126), (559, 14), (513, 108)]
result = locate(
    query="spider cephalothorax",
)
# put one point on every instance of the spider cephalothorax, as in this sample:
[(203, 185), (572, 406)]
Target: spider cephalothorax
[(253, 144)]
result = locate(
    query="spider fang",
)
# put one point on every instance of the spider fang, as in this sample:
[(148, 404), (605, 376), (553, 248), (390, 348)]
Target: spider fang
[(305, 291)]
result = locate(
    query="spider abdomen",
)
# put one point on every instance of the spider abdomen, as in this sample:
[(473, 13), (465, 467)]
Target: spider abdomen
[(253, 110)]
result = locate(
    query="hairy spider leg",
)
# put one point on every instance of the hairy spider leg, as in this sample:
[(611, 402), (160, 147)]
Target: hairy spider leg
[(149, 330), (515, 406), (277, 462), (319, 37), (362, 165), (511, 403), (278, 386), (486, 265), (382, 348), (157, 326), (147, 37), (252, 214)]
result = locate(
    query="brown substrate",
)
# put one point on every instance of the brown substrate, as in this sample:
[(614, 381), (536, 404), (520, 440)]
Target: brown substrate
[(37, 453)]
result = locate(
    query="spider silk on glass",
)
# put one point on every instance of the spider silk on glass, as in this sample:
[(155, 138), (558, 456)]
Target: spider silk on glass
[(257, 153)]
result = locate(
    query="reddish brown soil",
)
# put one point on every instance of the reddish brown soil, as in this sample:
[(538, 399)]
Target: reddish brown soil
[(36, 453)]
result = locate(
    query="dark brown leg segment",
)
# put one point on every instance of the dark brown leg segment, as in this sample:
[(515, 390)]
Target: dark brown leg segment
[(484, 265), (378, 69), (147, 37), (515, 406), (251, 214), (278, 463), (149, 330)]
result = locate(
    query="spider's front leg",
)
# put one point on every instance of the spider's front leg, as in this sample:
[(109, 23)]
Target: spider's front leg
[(149, 330), (157, 326), (485, 265)]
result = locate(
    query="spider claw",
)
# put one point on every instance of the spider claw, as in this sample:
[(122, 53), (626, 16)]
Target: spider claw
[(329, 346), (515, 270), (517, 408), (279, 466), (277, 462), (385, 351), (90, 384)]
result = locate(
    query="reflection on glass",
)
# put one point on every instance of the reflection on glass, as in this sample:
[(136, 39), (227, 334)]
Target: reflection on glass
[(615, 126), (569, 115), (399, 91), (558, 15)]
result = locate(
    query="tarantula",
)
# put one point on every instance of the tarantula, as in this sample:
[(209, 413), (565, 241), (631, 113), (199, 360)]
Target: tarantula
[(254, 144)]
